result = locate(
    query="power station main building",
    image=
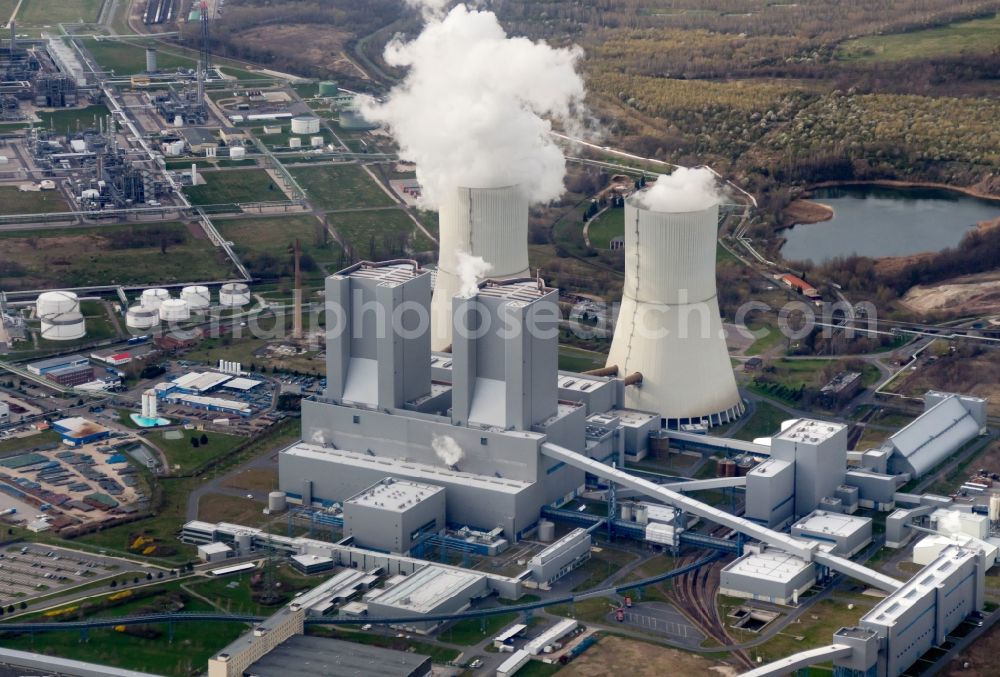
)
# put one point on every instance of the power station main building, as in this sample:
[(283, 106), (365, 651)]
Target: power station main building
[(669, 327)]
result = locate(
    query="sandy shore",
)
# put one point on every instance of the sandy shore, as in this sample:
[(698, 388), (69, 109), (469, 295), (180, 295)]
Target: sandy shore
[(803, 211)]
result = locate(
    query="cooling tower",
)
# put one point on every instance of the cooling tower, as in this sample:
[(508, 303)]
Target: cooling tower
[(669, 328), (488, 222)]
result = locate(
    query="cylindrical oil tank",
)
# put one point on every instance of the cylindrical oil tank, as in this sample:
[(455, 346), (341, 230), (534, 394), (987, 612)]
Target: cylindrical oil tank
[(244, 542), (294, 142), (56, 303), (151, 60), (627, 512), (63, 327), (196, 297), (276, 501), (725, 468), (234, 294), (305, 124), (353, 121), (317, 141), (488, 222), (237, 152), (641, 514), (154, 298), (141, 317), (546, 531), (659, 445), (328, 88), (174, 310)]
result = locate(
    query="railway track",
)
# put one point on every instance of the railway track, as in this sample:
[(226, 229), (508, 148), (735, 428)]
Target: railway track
[(159, 11)]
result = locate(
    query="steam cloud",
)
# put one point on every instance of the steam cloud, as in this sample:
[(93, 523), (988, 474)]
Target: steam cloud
[(475, 107), (447, 450), (318, 437), (686, 190), (471, 270)]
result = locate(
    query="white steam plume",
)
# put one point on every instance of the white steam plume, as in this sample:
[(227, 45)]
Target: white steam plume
[(471, 270), (475, 107), (317, 437), (431, 9), (686, 190), (949, 522), (447, 450)]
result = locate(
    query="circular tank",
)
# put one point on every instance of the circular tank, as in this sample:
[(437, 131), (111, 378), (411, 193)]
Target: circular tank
[(316, 141), (174, 310), (328, 88), (234, 294), (353, 120), (294, 142), (63, 326), (197, 297), (141, 317), (237, 152), (56, 303), (546, 531), (305, 124), (627, 512), (154, 298), (276, 501), (641, 514), (244, 541)]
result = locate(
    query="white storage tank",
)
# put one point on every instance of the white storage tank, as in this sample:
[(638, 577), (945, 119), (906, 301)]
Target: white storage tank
[(141, 317), (196, 297), (276, 501), (234, 294), (154, 298), (63, 327), (294, 142), (244, 541), (627, 512), (641, 514), (56, 303), (546, 531), (305, 124), (174, 310), (316, 141), (237, 152)]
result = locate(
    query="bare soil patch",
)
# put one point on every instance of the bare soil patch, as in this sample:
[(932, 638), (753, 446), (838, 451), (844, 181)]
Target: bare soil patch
[(643, 660), (806, 211), (254, 479), (970, 294)]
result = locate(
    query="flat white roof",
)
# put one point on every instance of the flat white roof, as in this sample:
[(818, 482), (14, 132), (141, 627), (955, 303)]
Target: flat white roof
[(220, 402), (426, 589), (835, 524), (580, 382), (563, 627), (632, 418), (241, 383), (515, 661), (557, 548), (394, 495), (810, 431), (512, 631), (772, 565), (200, 381), (214, 548), (770, 467), (235, 568)]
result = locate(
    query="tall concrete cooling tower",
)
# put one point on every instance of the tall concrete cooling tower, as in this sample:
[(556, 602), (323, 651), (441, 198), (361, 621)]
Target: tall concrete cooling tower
[(669, 328), (488, 222)]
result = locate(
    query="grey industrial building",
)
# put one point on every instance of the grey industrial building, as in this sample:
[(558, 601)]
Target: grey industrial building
[(430, 590), (561, 557), (949, 421), (847, 534), (304, 656), (392, 515), (768, 575)]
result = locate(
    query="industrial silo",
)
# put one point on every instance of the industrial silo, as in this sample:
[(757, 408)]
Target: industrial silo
[(174, 310), (276, 501), (328, 88), (142, 317), (196, 297), (234, 295), (669, 328), (305, 124), (491, 223), (154, 298), (59, 313)]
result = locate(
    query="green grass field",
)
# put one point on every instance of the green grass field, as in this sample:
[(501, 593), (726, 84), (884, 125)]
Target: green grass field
[(24, 443), (341, 187), (185, 458), (978, 36), (14, 201), (577, 359), (226, 189), (51, 12), (474, 630), (128, 59), (608, 225), (378, 234), (264, 244), (73, 118), (79, 257), (766, 420)]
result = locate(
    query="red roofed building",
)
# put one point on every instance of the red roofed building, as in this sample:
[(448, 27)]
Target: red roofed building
[(800, 285)]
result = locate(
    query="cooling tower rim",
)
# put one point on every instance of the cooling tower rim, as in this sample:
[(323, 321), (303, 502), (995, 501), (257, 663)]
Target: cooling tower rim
[(508, 186), (633, 201)]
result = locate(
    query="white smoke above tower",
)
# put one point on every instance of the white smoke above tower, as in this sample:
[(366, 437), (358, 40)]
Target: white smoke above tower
[(669, 328), (474, 113)]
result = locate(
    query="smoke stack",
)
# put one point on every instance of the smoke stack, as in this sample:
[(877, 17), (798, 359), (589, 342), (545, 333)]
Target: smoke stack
[(490, 223), (669, 328), (297, 293)]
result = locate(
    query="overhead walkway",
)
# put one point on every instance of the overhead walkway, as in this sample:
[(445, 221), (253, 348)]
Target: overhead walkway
[(803, 659)]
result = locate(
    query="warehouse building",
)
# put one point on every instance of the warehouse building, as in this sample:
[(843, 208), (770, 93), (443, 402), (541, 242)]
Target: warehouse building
[(43, 367), (220, 404), (304, 656), (71, 376), (77, 430), (428, 591), (768, 575), (561, 557), (949, 421), (392, 515), (847, 534)]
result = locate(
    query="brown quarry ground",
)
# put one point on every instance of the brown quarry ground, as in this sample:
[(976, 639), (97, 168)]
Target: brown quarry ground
[(806, 211), (318, 45), (611, 653), (967, 295)]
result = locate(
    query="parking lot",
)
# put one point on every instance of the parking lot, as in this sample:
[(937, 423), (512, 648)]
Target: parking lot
[(30, 570)]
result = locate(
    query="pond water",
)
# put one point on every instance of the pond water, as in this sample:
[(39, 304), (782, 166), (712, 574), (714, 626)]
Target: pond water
[(881, 221)]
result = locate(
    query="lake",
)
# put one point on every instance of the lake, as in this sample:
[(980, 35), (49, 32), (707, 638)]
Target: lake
[(879, 221)]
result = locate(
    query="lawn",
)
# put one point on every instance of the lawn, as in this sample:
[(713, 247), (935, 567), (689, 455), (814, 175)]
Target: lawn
[(15, 201), (25, 443), (815, 628), (234, 594), (979, 36), (341, 187), (233, 509), (128, 59), (51, 12), (264, 245), (184, 458), (228, 189), (474, 630), (608, 225), (770, 336), (578, 359), (787, 379), (73, 118), (765, 421), (379, 235), (154, 253)]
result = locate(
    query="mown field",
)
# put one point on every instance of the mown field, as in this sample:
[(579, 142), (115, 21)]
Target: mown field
[(224, 190), (341, 187), (971, 37), (52, 12), (264, 245), (15, 201)]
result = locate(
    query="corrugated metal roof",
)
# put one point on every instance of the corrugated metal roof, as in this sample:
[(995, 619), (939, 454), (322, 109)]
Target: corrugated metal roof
[(934, 435)]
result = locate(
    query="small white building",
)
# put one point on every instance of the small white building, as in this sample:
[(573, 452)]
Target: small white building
[(214, 552), (768, 575)]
